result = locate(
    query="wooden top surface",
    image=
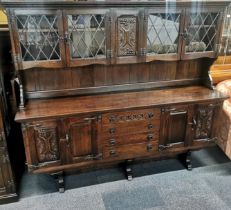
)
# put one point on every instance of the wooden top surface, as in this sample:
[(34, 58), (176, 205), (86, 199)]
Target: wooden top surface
[(59, 107)]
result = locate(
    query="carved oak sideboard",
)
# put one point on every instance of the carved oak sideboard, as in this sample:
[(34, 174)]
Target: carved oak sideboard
[(103, 82)]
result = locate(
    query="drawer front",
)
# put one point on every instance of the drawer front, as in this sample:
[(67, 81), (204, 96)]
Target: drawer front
[(130, 139), (131, 116), (130, 151), (130, 128)]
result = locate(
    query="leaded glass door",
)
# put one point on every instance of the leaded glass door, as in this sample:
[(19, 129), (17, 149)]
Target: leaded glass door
[(39, 38), (88, 36), (163, 29), (201, 33)]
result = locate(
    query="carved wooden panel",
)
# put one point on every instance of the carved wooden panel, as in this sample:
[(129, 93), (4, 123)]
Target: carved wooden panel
[(127, 35), (203, 122), (46, 143)]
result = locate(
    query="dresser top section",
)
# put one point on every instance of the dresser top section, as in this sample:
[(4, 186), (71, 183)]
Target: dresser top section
[(110, 3), (62, 107)]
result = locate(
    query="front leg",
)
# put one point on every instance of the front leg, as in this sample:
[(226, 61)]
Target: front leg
[(60, 178), (128, 169)]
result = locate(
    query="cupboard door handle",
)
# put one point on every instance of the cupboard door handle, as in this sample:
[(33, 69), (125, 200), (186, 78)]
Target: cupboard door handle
[(67, 139), (193, 123)]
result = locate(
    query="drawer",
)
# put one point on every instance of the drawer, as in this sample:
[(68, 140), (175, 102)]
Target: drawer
[(131, 150), (131, 116), (131, 128), (130, 139)]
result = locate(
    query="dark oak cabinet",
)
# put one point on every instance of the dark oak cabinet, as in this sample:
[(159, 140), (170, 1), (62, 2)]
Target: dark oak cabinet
[(114, 81), (79, 37)]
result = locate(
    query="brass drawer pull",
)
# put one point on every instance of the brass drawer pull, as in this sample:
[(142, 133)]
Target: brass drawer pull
[(150, 115), (149, 147), (112, 152), (112, 141), (112, 119), (112, 130), (150, 137), (150, 126)]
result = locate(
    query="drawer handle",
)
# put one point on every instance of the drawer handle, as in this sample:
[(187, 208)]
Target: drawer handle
[(150, 137), (112, 152), (150, 126), (150, 115), (112, 130), (112, 141), (149, 147)]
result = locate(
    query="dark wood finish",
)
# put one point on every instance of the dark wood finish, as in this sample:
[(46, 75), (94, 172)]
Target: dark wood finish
[(169, 109), (40, 109)]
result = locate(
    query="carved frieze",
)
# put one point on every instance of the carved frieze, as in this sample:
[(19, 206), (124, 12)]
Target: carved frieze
[(127, 27), (130, 117), (204, 122), (46, 144)]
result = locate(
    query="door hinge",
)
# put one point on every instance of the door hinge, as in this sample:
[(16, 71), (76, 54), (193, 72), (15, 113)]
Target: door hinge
[(143, 52), (97, 118), (17, 58), (109, 54), (164, 147), (94, 157)]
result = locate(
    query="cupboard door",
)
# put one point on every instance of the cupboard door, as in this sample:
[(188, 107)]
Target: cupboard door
[(175, 130), (203, 122), (88, 36), (82, 139), (38, 36), (127, 36), (202, 32), (163, 29), (42, 143)]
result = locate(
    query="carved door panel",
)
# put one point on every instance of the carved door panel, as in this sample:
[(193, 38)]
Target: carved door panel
[(42, 143), (38, 38), (163, 33), (82, 138), (202, 32), (175, 128), (203, 122), (127, 34), (88, 36)]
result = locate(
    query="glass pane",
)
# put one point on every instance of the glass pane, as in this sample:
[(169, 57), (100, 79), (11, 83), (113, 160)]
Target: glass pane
[(38, 36), (87, 36), (163, 33), (201, 32)]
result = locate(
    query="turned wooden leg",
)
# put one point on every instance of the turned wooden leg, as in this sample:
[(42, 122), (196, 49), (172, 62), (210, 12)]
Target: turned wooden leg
[(188, 161), (60, 178), (128, 169)]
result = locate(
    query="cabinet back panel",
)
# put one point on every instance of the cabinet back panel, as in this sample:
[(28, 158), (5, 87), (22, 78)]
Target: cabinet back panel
[(88, 77)]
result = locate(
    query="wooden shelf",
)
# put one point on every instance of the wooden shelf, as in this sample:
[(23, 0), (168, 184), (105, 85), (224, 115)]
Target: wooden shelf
[(40, 109)]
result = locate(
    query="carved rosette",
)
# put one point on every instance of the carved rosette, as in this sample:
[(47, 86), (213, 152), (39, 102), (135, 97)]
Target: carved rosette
[(127, 35), (204, 122), (46, 144)]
